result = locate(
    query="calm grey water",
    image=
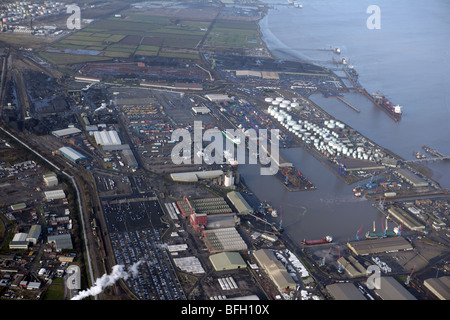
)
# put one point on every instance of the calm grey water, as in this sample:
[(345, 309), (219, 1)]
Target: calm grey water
[(408, 59)]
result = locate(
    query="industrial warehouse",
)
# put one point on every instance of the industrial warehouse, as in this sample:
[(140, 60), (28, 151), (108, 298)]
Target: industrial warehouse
[(389, 244), (72, 154), (89, 179)]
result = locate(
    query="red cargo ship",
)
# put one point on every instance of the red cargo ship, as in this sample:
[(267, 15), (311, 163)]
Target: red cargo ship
[(326, 239), (395, 111)]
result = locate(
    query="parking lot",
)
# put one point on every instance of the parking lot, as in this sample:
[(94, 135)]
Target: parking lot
[(156, 278)]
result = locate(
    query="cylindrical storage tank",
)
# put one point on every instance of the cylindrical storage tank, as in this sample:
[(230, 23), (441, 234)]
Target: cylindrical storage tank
[(283, 105), (268, 99), (294, 105), (275, 103), (279, 99), (289, 117), (331, 125), (286, 102)]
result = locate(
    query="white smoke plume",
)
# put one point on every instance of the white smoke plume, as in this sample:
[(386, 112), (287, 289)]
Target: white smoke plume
[(107, 280)]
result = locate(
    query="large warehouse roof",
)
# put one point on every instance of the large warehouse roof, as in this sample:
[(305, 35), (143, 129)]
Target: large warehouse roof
[(239, 202), (71, 154), (412, 178), (61, 241), (225, 239), (364, 247), (391, 289), (54, 194), (194, 176), (107, 138), (277, 272), (405, 218), (66, 132), (440, 287), (227, 261), (345, 291)]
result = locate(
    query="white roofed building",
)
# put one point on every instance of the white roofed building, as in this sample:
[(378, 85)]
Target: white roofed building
[(54, 194), (107, 138)]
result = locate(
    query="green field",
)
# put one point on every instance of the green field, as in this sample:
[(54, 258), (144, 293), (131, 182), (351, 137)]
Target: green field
[(133, 34), (234, 34)]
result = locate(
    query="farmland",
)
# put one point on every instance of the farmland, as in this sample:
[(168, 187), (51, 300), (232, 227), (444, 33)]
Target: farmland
[(234, 34), (128, 36)]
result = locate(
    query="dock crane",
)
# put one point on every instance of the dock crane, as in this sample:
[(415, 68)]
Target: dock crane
[(324, 258), (339, 261), (371, 184), (409, 277), (359, 232), (381, 204), (281, 219)]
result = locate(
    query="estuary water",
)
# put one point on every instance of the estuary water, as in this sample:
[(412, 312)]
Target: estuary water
[(408, 59)]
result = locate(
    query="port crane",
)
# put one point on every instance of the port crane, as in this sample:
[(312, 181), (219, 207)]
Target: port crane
[(324, 258), (381, 204), (359, 232), (409, 277), (371, 184), (339, 260)]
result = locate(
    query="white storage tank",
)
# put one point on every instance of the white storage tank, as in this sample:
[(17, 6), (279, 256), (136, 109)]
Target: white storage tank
[(268, 99)]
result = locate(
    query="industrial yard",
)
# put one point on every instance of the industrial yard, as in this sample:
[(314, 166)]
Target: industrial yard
[(92, 166)]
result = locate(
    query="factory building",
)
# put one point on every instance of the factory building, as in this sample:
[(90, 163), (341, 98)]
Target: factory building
[(389, 244), (200, 110), (54, 195), (225, 239), (50, 179), (209, 213), (18, 206), (227, 261), (34, 233), (345, 291), (440, 287), (352, 267), (19, 241), (391, 289), (72, 154), (236, 199), (107, 138), (404, 217), (195, 176), (275, 269), (217, 97), (63, 133), (411, 178), (248, 73), (130, 159), (87, 79), (22, 240), (61, 241), (217, 221)]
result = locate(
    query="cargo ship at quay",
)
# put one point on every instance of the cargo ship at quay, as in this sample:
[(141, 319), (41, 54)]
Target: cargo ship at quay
[(327, 239), (394, 111)]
